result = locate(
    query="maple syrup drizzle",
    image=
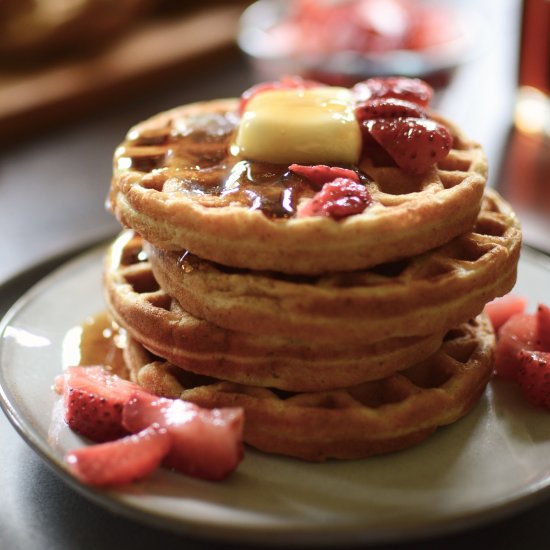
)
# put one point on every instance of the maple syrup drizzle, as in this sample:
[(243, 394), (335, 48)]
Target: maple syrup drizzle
[(186, 262), (101, 343), (197, 154)]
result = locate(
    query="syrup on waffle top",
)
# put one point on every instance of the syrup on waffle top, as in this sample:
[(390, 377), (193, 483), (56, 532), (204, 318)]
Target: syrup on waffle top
[(301, 178)]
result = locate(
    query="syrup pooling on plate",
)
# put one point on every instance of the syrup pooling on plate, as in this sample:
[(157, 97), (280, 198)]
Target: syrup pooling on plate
[(101, 343), (191, 155)]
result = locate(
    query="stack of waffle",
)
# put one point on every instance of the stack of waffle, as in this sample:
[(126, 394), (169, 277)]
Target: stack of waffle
[(340, 339)]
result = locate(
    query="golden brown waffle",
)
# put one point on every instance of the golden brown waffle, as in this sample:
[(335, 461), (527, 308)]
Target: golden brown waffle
[(440, 288), (370, 418), (158, 321), (176, 184)]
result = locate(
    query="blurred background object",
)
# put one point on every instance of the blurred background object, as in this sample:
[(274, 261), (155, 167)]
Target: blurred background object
[(34, 31), (342, 42), (61, 59), (525, 173), (533, 102)]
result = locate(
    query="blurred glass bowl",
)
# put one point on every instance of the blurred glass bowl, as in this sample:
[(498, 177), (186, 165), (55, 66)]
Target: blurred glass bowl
[(350, 40)]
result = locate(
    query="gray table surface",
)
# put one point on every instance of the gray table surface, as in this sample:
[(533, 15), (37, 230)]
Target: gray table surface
[(52, 192)]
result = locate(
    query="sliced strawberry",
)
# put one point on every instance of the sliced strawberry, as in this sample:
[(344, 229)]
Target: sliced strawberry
[(371, 149), (414, 144), (288, 82), (543, 327), (129, 459), (534, 377), (387, 107), (93, 401), (408, 89), (321, 174), (501, 309), (337, 199), (205, 443), (517, 334)]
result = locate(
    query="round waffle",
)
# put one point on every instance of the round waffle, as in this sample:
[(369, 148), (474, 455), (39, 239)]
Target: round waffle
[(439, 288), (160, 323), (176, 184), (371, 418)]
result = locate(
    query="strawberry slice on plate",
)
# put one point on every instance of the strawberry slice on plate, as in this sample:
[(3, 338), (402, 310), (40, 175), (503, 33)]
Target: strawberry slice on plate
[(147, 430), (534, 377), (501, 309), (517, 334), (522, 332), (204, 443), (123, 461), (543, 326), (94, 400)]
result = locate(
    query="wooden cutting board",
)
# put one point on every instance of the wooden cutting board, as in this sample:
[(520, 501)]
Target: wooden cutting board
[(41, 98)]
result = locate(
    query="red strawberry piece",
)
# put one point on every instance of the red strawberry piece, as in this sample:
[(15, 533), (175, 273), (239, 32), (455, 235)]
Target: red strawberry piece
[(534, 377), (337, 199), (289, 82), (321, 174), (501, 309), (408, 89), (517, 334), (129, 459), (543, 327), (295, 81), (205, 443), (93, 401), (387, 107), (371, 149), (414, 144)]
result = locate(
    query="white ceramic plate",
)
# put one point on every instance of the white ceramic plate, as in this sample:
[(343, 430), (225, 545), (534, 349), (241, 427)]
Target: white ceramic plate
[(491, 462)]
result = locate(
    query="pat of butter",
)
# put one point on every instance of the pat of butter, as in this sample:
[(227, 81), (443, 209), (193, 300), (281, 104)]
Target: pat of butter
[(316, 125)]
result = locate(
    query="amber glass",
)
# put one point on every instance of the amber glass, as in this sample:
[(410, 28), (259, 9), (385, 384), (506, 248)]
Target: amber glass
[(533, 102), (534, 65), (525, 172)]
